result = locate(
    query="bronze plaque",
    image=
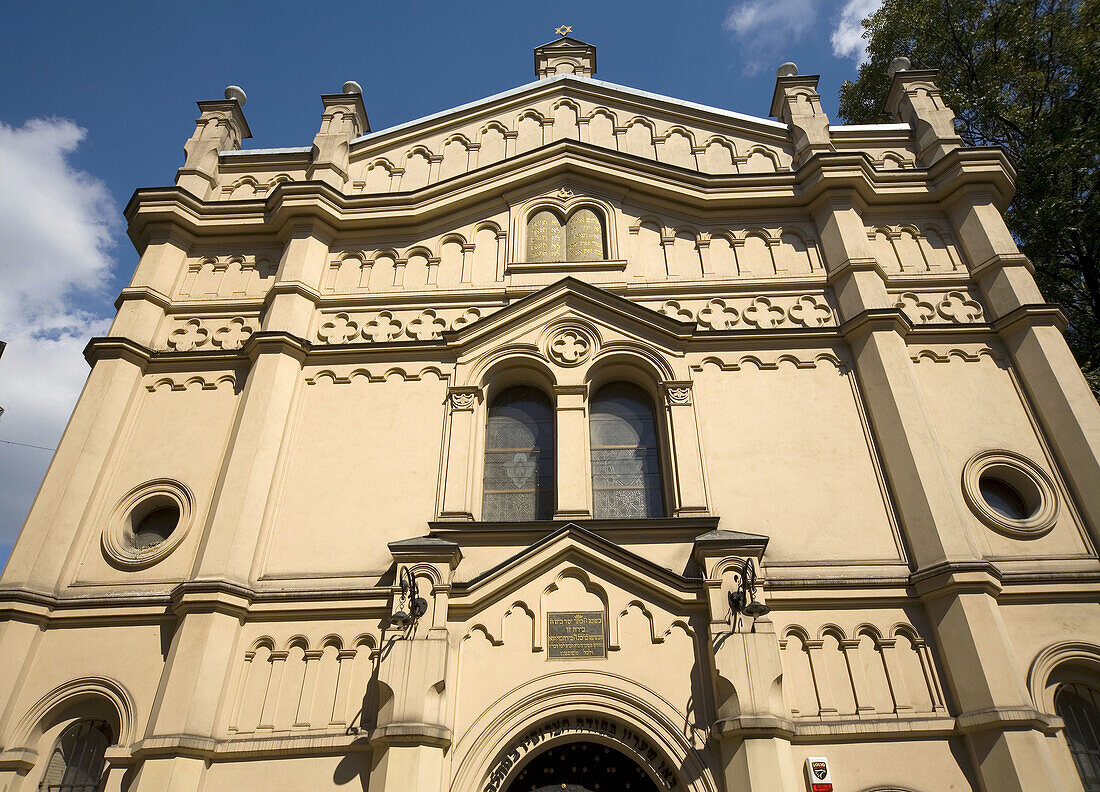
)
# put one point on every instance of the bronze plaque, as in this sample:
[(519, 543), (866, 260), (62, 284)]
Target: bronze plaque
[(544, 237), (584, 237), (574, 634)]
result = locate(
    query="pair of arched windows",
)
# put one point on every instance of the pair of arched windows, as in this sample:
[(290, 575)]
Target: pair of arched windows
[(519, 455)]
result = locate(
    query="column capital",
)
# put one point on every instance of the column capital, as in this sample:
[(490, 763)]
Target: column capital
[(463, 398)]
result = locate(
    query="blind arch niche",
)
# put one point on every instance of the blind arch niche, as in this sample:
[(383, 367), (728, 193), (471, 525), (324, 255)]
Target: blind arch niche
[(580, 235)]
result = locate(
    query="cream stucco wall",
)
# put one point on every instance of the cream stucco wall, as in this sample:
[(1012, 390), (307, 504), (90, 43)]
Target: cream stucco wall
[(832, 323)]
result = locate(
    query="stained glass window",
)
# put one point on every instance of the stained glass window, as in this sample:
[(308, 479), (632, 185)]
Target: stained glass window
[(519, 457), (1079, 706), (76, 762), (626, 465)]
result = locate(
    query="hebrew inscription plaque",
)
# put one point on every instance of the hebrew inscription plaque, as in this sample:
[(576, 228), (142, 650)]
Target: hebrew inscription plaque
[(584, 237), (544, 237), (576, 634)]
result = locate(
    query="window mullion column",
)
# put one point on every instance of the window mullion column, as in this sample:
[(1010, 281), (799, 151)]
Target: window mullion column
[(689, 495), (572, 465), (461, 405)]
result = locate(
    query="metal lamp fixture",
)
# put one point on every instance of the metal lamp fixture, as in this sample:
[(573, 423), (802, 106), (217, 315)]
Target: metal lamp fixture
[(413, 606), (743, 600)]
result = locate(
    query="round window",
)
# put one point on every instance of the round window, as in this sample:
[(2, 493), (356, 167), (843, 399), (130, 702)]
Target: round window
[(1010, 493), (156, 526), (147, 523), (1003, 498)]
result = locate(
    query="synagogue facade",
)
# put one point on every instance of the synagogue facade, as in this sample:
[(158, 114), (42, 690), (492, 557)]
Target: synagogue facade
[(573, 438)]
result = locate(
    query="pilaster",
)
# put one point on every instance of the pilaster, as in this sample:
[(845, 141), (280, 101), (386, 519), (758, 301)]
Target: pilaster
[(690, 496), (102, 412), (190, 700), (572, 458), (1032, 332), (458, 487), (1007, 752), (751, 733), (411, 741), (277, 351)]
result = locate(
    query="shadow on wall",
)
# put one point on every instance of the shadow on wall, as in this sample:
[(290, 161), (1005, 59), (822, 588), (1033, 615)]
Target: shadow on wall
[(356, 765)]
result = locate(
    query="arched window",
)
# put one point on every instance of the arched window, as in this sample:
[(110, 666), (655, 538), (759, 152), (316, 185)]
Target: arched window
[(1079, 706), (76, 761), (626, 466), (519, 456)]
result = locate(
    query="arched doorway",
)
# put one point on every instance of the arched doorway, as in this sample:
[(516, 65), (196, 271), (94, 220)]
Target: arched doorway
[(581, 767)]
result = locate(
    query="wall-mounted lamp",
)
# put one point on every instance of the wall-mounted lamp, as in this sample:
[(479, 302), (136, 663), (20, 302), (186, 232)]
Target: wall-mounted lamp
[(412, 606), (743, 600)]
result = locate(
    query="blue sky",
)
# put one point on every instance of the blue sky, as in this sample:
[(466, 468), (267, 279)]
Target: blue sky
[(98, 99)]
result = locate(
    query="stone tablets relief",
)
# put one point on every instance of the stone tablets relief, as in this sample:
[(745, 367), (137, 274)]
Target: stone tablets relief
[(580, 238)]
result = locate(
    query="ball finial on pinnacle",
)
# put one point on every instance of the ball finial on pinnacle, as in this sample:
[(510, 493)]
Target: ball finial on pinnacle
[(788, 69), (237, 93), (352, 87), (900, 63)]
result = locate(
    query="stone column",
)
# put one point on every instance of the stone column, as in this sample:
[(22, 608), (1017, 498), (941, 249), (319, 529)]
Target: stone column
[(457, 484), (271, 695), (340, 702), (466, 275), (1008, 753), (309, 682), (687, 461), (573, 471), (1032, 332), (861, 688)]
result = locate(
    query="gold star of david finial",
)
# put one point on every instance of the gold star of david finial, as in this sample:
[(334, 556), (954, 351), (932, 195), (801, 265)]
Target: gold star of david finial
[(564, 30)]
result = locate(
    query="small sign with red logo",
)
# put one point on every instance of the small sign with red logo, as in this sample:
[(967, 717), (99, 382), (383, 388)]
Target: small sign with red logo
[(817, 773)]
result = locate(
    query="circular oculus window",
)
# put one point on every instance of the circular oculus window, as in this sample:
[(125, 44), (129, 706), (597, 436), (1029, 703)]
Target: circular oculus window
[(148, 523), (1010, 494)]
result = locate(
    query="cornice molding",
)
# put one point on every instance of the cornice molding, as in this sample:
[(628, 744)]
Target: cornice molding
[(292, 202)]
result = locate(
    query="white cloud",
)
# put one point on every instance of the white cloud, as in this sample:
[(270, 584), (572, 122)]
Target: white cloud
[(57, 226), (766, 30), (847, 38)]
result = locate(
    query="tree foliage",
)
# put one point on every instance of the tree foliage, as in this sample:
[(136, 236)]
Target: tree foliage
[(1023, 75)]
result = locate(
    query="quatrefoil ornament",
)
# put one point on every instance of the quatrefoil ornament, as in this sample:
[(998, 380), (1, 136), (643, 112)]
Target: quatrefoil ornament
[(569, 346)]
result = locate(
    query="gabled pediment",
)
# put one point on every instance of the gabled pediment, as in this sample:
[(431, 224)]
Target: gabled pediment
[(570, 298), (598, 557)]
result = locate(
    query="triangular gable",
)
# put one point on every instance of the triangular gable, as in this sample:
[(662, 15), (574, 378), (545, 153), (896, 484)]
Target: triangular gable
[(584, 298), (588, 550)]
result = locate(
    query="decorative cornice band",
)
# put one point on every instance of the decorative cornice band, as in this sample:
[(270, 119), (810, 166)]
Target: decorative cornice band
[(276, 342), (146, 293), (873, 320), (1028, 316), (116, 348)]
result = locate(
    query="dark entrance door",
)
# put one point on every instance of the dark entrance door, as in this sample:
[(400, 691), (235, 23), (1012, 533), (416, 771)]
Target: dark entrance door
[(581, 767)]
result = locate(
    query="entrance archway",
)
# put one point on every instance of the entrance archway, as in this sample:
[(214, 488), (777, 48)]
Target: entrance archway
[(581, 767)]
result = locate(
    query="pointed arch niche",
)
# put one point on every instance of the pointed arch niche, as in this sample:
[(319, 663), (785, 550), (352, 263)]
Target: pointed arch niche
[(562, 233)]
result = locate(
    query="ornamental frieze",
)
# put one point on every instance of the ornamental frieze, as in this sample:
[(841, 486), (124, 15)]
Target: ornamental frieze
[(752, 312)]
